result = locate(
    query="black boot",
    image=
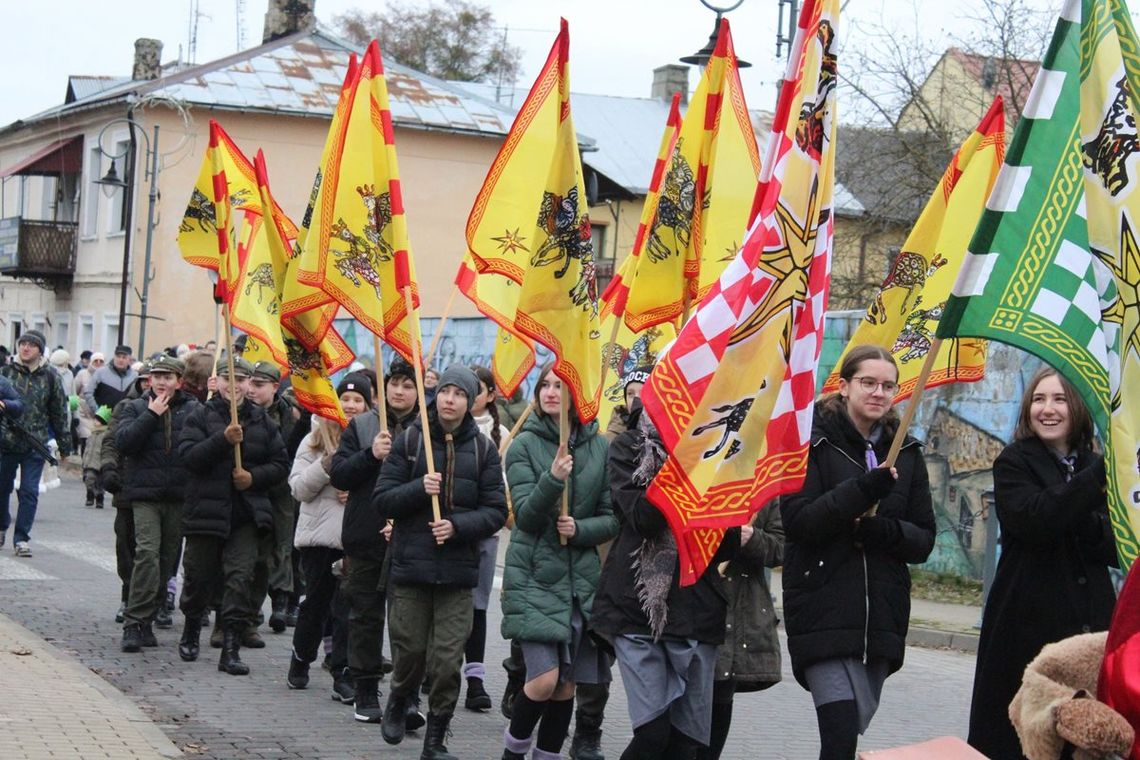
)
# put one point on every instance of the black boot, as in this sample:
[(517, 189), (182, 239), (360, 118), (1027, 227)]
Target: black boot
[(230, 662), (414, 720), (298, 677), (344, 687), (434, 736), (90, 498), (188, 644), (132, 637), (368, 700), (218, 633), (280, 602), (587, 744), (148, 639), (392, 727), (477, 697)]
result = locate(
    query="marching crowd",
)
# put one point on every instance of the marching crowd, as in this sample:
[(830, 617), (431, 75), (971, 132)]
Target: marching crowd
[(396, 521)]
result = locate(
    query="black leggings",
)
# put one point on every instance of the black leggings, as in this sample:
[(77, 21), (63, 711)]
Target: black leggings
[(723, 692), (838, 730), (658, 740), (477, 641)]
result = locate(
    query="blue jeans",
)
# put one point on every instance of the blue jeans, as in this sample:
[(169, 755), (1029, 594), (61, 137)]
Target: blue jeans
[(31, 467)]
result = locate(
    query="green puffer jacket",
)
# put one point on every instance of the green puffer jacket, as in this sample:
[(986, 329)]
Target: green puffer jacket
[(542, 577)]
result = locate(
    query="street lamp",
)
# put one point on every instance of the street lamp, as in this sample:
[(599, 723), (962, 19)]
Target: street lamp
[(702, 56), (111, 183)]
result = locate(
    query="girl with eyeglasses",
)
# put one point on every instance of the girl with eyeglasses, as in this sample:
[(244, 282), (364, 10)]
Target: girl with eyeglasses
[(846, 580), (1052, 578)]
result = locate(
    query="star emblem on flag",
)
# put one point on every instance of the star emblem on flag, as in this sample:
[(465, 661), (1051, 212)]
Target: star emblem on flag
[(1125, 310), (509, 241)]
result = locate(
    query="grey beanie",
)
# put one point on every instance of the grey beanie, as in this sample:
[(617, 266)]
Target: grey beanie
[(462, 378), (35, 337)]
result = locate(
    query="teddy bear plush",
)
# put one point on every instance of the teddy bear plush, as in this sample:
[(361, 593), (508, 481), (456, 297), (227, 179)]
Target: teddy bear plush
[(1056, 710)]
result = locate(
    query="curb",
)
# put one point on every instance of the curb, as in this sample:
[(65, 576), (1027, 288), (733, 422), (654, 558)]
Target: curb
[(138, 720), (931, 638)]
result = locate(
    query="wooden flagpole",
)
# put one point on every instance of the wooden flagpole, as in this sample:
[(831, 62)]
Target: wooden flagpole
[(417, 365), (430, 356), (563, 441), (382, 390), (230, 378)]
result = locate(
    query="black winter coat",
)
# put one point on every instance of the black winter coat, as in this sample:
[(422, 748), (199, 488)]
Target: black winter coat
[(213, 504), (149, 443), (472, 498), (1052, 577), (694, 612), (841, 598), (355, 470)]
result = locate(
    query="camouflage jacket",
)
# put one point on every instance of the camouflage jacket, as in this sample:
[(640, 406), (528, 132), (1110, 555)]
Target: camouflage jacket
[(45, 407)]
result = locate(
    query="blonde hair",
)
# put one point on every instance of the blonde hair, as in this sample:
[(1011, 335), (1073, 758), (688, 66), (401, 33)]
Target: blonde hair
[(325, 437)]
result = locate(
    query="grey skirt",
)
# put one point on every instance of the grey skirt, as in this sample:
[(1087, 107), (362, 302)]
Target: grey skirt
[(668, 675), (488, 553), (848, 679), (579, 660)]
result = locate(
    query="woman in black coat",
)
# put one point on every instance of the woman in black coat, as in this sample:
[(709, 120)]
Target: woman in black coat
[(846, 580), (1052, 578)]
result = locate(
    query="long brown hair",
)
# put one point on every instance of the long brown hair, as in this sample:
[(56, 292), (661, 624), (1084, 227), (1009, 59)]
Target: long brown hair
[(488, 379), (1080, 421), (850, 365), (542, 373)]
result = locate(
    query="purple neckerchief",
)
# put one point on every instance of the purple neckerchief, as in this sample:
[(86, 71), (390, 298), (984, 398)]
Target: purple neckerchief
[(875, 437), (872, 460)]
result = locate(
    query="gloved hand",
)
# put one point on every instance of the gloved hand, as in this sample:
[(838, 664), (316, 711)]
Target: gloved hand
[(111, 482), (877, 532), (876, 484), (234, 434)]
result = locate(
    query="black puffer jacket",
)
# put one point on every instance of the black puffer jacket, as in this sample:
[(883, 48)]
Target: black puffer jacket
[(154, 471), (842, 599), (694, 612), (355, 470), (212, 502), (472, 498)]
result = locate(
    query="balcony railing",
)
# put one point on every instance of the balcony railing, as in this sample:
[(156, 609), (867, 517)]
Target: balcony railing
[(37, 249)]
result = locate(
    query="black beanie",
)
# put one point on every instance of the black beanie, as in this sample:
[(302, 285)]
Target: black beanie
[(358, 383)]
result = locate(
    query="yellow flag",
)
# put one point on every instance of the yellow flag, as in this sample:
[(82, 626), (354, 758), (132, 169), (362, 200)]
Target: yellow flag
[(701, 213), (529, 223), (905, 312)]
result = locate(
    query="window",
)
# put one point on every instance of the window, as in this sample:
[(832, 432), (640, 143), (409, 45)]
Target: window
[(86, 334), (17, 322), (965, 524), (91, 201), (62, 334), (603, 255), (116, 220), (110, 334)]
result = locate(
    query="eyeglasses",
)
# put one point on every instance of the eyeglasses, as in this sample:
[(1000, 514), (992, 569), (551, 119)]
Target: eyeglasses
[(869, 384)]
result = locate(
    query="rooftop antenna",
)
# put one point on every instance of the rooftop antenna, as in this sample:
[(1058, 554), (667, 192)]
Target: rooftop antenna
[(192, 46), (239, 11)]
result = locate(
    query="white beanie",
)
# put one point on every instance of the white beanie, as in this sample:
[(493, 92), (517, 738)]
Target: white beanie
[(60, 358)]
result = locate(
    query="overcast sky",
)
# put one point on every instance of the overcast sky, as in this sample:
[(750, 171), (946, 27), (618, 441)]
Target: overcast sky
[(614, 44)]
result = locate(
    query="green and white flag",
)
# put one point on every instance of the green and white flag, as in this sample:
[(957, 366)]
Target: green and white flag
[(1054, 266)]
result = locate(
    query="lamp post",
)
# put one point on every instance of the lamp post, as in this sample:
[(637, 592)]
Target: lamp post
[(701, 58), (111, 183)]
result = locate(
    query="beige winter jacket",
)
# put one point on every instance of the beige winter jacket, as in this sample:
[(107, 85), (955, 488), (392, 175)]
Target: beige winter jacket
[(322, 513)]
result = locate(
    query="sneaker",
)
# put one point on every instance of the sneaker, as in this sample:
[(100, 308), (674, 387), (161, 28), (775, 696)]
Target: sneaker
[(119, 614), (170, 601), (343, 691), (162, 618), (23, 549), (298, 677)]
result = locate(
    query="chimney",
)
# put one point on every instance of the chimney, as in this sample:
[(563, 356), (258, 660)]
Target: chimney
[(148, 59), (669, 79), (285, 17)]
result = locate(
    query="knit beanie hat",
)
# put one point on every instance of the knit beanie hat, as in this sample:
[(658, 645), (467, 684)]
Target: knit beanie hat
[(59, 358), (357, 383), (636, 375), (35, 337), (462, 378)]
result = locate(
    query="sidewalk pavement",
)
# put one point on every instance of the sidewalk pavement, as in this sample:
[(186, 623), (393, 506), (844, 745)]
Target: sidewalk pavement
[(55, 707), (934, 625)]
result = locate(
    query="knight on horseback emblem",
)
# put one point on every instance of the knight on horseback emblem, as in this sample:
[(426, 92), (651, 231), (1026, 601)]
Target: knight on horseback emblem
[(360, 261), (568, 239)]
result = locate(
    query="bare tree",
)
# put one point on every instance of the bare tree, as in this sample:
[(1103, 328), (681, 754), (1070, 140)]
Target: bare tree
[(455, 39)]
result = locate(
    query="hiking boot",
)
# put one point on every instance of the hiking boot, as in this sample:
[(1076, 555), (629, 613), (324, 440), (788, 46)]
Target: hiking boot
[(392, 728), (188, 644), (298, 677), (132, 638), (148, 639), (434, 736), (368, 700), (292, 614), (280, 604), (587, 743), (230, 661), (251, 639), (477, 697), (344, 690), (163, 619)]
